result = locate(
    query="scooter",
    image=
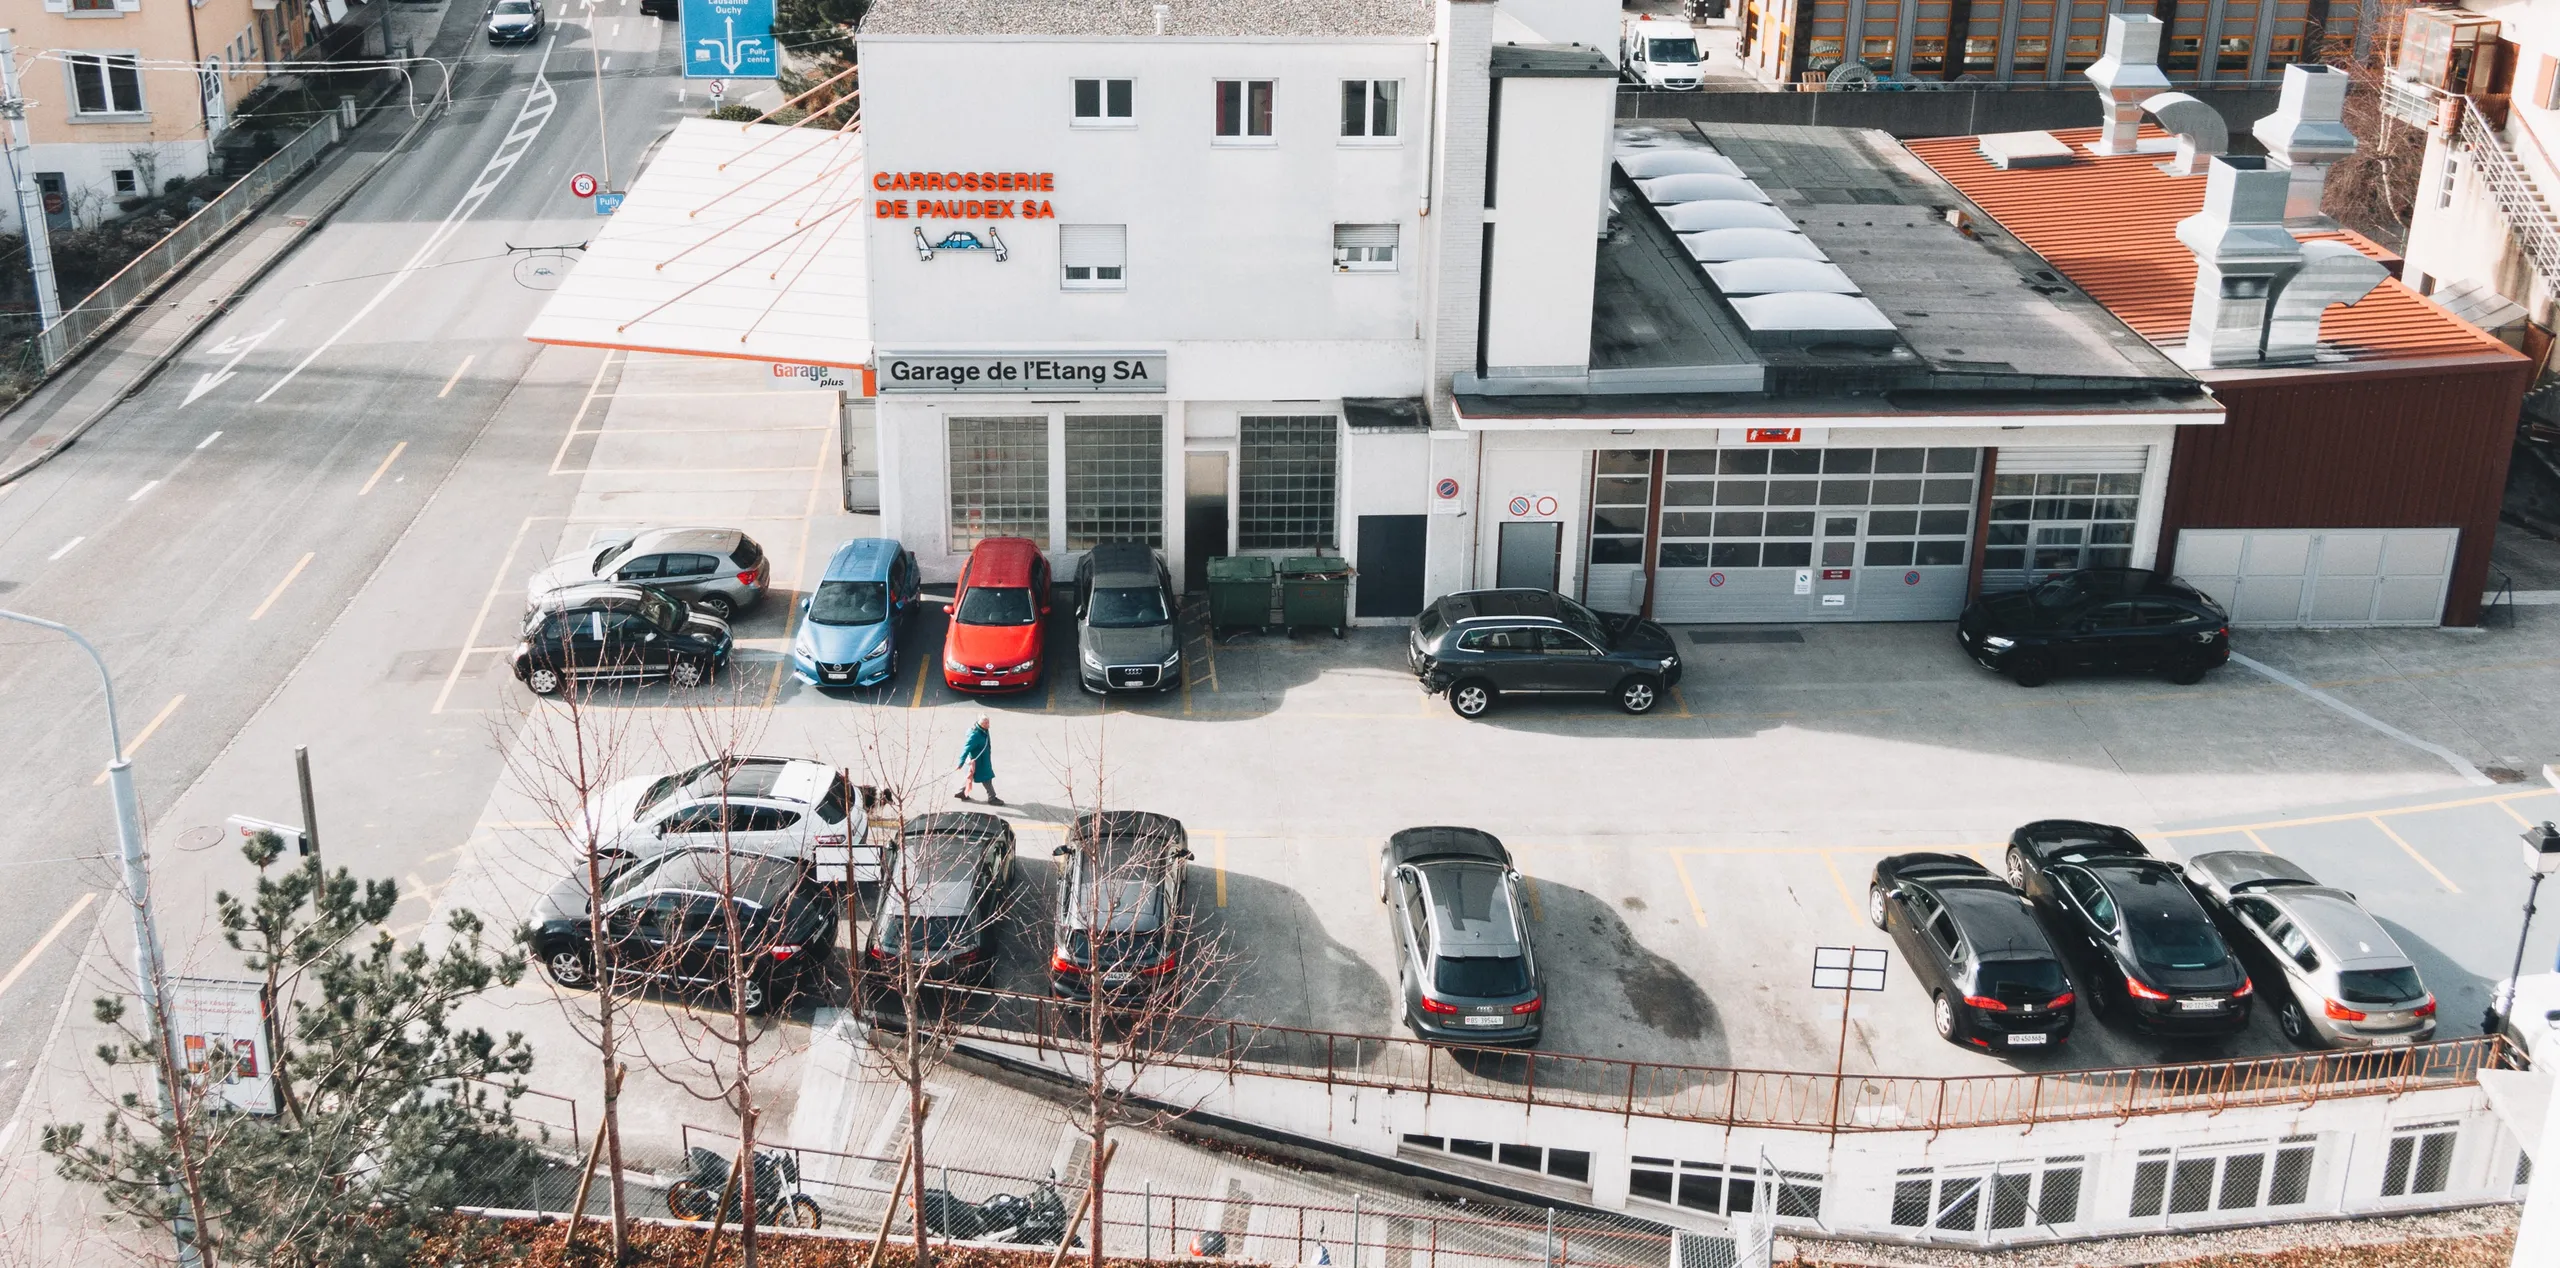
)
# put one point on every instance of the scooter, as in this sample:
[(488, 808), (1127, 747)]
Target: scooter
[(698, 1194), (1039, 1219)]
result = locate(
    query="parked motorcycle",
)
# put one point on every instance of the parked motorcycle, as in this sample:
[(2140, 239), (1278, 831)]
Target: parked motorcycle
[(1038, 1219), (697, 1195)]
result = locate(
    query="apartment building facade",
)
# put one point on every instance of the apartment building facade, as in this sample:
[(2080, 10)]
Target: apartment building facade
[(2039, 41)]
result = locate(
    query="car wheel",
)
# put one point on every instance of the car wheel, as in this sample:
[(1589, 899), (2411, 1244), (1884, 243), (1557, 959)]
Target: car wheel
[(1472, 698), (1639, 694), (754, 995), (542, 680), (2190, 672), (2099, 1005), (1944, 1014), (686, 673), (1875, 905), (568, 967), (2296, 1025), (716, 604), (2014, 866), (2030, 670)]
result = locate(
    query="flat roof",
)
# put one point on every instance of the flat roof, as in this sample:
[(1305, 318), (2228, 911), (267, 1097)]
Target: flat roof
[(736, 240), (1123, 19), (2109, 224)]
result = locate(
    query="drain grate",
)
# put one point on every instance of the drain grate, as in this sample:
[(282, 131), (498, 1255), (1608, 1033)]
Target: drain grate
[(1746, 636)]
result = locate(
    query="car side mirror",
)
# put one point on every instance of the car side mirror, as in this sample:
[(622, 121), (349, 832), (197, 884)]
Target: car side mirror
[(1185, 855), (949, 608), (1061, 852)]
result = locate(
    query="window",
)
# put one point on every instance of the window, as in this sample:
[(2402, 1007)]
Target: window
[(1115, 479), (2010, 1194), (2047, 523), (125, 181), (1093, 257), (1369, 109), (2234, 54), (2225, 1178), (1621, 479), (999, 479), (1285, 482), (1103, 103), (105, 83), (2420, 1159), (1244, 110), (1563, 1164), (2184, 52), (1364, 248), (1935, 485), (1876, 47), (93, 6), (1719, 1189)]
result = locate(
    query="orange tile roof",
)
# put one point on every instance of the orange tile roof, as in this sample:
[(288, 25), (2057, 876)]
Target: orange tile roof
[(2110, 225)]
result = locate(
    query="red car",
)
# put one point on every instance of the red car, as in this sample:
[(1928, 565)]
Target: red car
[(997, 641)]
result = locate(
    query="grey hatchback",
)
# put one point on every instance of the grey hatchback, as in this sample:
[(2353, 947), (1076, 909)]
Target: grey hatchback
[(716, 570), (1483, 644), (1126, 639), (1463, 960), (2346, 981)]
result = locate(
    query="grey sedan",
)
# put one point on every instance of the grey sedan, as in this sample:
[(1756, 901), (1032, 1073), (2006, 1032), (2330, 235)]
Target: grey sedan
[(1463, 960), (1126, 638), (2345, 982), (716, 570)]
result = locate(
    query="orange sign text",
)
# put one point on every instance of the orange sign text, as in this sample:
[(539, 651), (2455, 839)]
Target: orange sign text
[(964, 208)]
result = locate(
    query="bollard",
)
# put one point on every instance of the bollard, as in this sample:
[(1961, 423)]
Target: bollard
[(347, 111)]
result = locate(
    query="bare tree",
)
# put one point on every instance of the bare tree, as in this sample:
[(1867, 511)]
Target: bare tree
[(2374, 190)]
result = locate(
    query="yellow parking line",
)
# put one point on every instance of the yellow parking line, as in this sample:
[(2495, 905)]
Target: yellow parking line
[(562, 454), (278, 592), (799, 572), (2353, 816), (2398, 840), (481, 617), (148, 729), (923, 666), (392, 457), (1842, 882), (1696, 908), (2258, 841), (457, 378), (1221, 857), (2515, 814), (28, 960)]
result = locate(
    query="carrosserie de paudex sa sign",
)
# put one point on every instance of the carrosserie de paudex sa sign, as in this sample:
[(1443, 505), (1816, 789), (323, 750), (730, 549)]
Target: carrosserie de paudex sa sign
[(1021, 372)]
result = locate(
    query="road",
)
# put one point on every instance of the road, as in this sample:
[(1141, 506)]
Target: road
[(209, 533)]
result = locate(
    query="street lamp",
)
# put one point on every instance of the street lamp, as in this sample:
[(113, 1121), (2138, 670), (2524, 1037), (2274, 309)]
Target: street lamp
[(2541, 858), (137, 882)]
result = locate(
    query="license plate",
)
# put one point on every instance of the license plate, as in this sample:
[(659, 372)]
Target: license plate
[(989, 682), (2392, 1041), (1488, 1021), (837, 677), (2199, 1005), (2027, 1041)]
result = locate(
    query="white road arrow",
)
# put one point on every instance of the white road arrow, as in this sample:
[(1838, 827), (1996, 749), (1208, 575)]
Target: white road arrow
[(237, 346)]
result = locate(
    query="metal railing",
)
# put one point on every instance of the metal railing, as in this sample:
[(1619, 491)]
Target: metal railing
[(85, 321), (1795, 1100), (2521, 202)]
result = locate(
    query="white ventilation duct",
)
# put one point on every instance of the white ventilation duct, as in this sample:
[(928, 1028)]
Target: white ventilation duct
[(1724, 213), (1697, 186), (1675, 162), (2201, 131), (2331, 273), (2307, 134), (2126, 76), (1716, 246)]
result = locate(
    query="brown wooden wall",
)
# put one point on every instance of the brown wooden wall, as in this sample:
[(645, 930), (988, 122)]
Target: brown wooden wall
[(2392, 448)]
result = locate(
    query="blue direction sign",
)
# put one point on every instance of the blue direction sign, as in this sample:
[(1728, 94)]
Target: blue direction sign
[(729, 39), (607, 204)]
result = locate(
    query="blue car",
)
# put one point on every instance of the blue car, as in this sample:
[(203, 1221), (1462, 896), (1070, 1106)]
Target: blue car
[(849, 624)]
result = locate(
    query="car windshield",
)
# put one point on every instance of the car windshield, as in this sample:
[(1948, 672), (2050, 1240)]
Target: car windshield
[(849, 603), (1126, 607), (1481, 976), (1658, 50), (2165, 941), (2020, 981), (924, 935), (1116, 950), (634, 877), (997, 605), (1584, 621), (2379, 986), (665, 613), (2057, 594), (609, 556), (515, 8), (1114, 903)]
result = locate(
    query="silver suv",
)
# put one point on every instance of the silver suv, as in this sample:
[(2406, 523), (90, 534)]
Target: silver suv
[(2346, 983), (716, 570), (1463, 961)]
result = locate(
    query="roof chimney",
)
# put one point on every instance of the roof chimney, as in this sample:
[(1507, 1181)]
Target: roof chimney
[(2201, 132), (2242, 253), (2331, 273), (2129, 73), (1162, 12), (2305, 135)]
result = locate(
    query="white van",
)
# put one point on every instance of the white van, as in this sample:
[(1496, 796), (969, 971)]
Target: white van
[(1660, 53)]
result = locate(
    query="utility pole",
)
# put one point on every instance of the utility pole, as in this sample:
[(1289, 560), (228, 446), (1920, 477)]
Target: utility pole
[(310, 817), (30, 200), (604, 142)]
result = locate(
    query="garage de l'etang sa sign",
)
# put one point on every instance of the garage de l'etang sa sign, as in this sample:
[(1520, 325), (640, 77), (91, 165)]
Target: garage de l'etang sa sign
[(1022, 372)]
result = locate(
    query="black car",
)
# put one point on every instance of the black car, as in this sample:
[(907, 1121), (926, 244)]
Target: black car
[(940, 896), (1993, 979), (2101, 619), (2138, 943), (663, 924), (607, 630), (1120, 923), (1460, 924), (1126, 639), (1483, 644), (671, 10)]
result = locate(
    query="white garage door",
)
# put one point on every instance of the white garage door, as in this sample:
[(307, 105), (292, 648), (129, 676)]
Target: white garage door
[(2322, 576)]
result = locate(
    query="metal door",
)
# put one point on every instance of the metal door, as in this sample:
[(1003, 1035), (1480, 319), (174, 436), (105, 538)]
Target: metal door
[(1529, 555), (1204, 515), (1835, 563), (1390, 563)]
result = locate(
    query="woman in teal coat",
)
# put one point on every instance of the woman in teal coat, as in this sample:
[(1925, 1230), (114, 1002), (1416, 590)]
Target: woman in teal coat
[(978, 763)]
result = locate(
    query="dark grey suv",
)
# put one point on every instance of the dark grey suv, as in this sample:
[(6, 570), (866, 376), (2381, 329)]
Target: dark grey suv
[(1483, 644), (1461, 930), (1126, 638)]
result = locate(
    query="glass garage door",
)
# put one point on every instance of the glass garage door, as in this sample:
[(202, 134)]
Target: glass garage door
[(2056, 510), (1812, 534)]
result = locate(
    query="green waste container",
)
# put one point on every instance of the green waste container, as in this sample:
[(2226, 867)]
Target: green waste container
[(1240, 592), (1315, 592)]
